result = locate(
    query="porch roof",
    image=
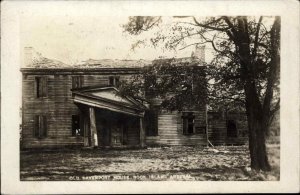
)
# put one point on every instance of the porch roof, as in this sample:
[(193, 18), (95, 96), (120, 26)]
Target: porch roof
[(108, 98)]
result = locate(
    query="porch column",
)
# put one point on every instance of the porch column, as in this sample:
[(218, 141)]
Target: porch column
[(94, 137), (85, 131), (142, 132)]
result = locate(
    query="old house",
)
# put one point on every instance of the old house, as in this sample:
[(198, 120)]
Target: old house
[(80, 106)]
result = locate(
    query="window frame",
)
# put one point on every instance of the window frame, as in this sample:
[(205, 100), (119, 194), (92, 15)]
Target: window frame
[(114, 81), (233, 133), (186, 117), (41, 87), (77, 81), (151, 117), (40, 129), (81, 133)]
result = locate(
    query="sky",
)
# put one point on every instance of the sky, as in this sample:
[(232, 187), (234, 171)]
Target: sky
[(73, 39)]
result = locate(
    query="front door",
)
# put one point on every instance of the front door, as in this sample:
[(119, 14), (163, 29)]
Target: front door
[(112, 128), (116, 134)]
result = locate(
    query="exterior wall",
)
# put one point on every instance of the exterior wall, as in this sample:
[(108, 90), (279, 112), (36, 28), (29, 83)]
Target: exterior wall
[(217, 128), (170, 130), (58, 106)]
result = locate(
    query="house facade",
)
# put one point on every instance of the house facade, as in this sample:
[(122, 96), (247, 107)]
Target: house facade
[(81, 106)]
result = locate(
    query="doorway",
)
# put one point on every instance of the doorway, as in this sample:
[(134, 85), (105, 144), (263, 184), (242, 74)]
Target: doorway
[(112, 128)]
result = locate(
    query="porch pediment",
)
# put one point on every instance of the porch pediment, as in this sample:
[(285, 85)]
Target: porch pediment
[(108, 98)]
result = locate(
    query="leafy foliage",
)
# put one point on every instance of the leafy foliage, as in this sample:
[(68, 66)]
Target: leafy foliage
[(180, 85), (244, 72), (225, 75)]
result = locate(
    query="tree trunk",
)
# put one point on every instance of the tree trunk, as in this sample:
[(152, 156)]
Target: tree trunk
[(257, 119), (257, 145), (257, 126)]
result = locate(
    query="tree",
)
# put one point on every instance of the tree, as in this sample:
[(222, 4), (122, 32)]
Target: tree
[(178, 85), (243, 72)]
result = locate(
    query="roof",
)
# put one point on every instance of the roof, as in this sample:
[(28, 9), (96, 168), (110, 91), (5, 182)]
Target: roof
[(37, 61), (107, 98), (178, 61), (46, 63), (113, 63)]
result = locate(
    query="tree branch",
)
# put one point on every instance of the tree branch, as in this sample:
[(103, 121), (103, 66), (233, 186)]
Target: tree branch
[(274, 65), (210, 27), (272, 112), (231, 26), (193, 44), (183, 37), (256, 37)]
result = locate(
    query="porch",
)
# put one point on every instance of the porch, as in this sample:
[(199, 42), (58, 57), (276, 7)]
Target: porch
[(108, 119)]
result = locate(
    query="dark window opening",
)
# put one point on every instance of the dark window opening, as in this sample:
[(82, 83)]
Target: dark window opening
[(76, 130), (111, 80), (41, 87), (38, 86), (117, 81), (188, 120), (40, 126), (114, 81), (77, 82), (150, 83), (151, 120), (231, 128)]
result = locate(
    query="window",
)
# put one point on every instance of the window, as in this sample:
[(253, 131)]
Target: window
[(77, 81), (151, 120), (150, 86), (40, 126), (231, 128), (188, 123), (41, 87), (76, 130), (114, 81)]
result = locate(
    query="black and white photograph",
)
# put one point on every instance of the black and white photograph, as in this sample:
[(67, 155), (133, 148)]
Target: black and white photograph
[(150, 97)]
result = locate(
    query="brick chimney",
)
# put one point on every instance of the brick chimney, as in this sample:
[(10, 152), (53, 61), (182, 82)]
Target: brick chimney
[(28, 56), (199, 52)]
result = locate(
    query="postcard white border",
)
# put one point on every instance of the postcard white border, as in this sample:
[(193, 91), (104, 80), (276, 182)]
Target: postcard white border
[(12, 11)]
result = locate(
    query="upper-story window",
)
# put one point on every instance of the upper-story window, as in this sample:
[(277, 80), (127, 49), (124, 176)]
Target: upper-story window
[(114, 81), (41, 87), (188, 123), (77, 82)]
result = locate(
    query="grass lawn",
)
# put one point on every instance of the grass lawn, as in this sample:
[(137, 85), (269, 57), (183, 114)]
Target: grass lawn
[(165, 163)]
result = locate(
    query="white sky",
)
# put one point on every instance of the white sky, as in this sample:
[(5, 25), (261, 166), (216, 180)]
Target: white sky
[(72, 39)]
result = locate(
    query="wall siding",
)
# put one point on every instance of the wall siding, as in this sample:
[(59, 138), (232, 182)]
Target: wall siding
[(217, 128), (170, 130), (58, 106)]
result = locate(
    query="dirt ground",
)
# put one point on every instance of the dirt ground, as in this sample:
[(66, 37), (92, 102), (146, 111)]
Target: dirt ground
[(162, 163)]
